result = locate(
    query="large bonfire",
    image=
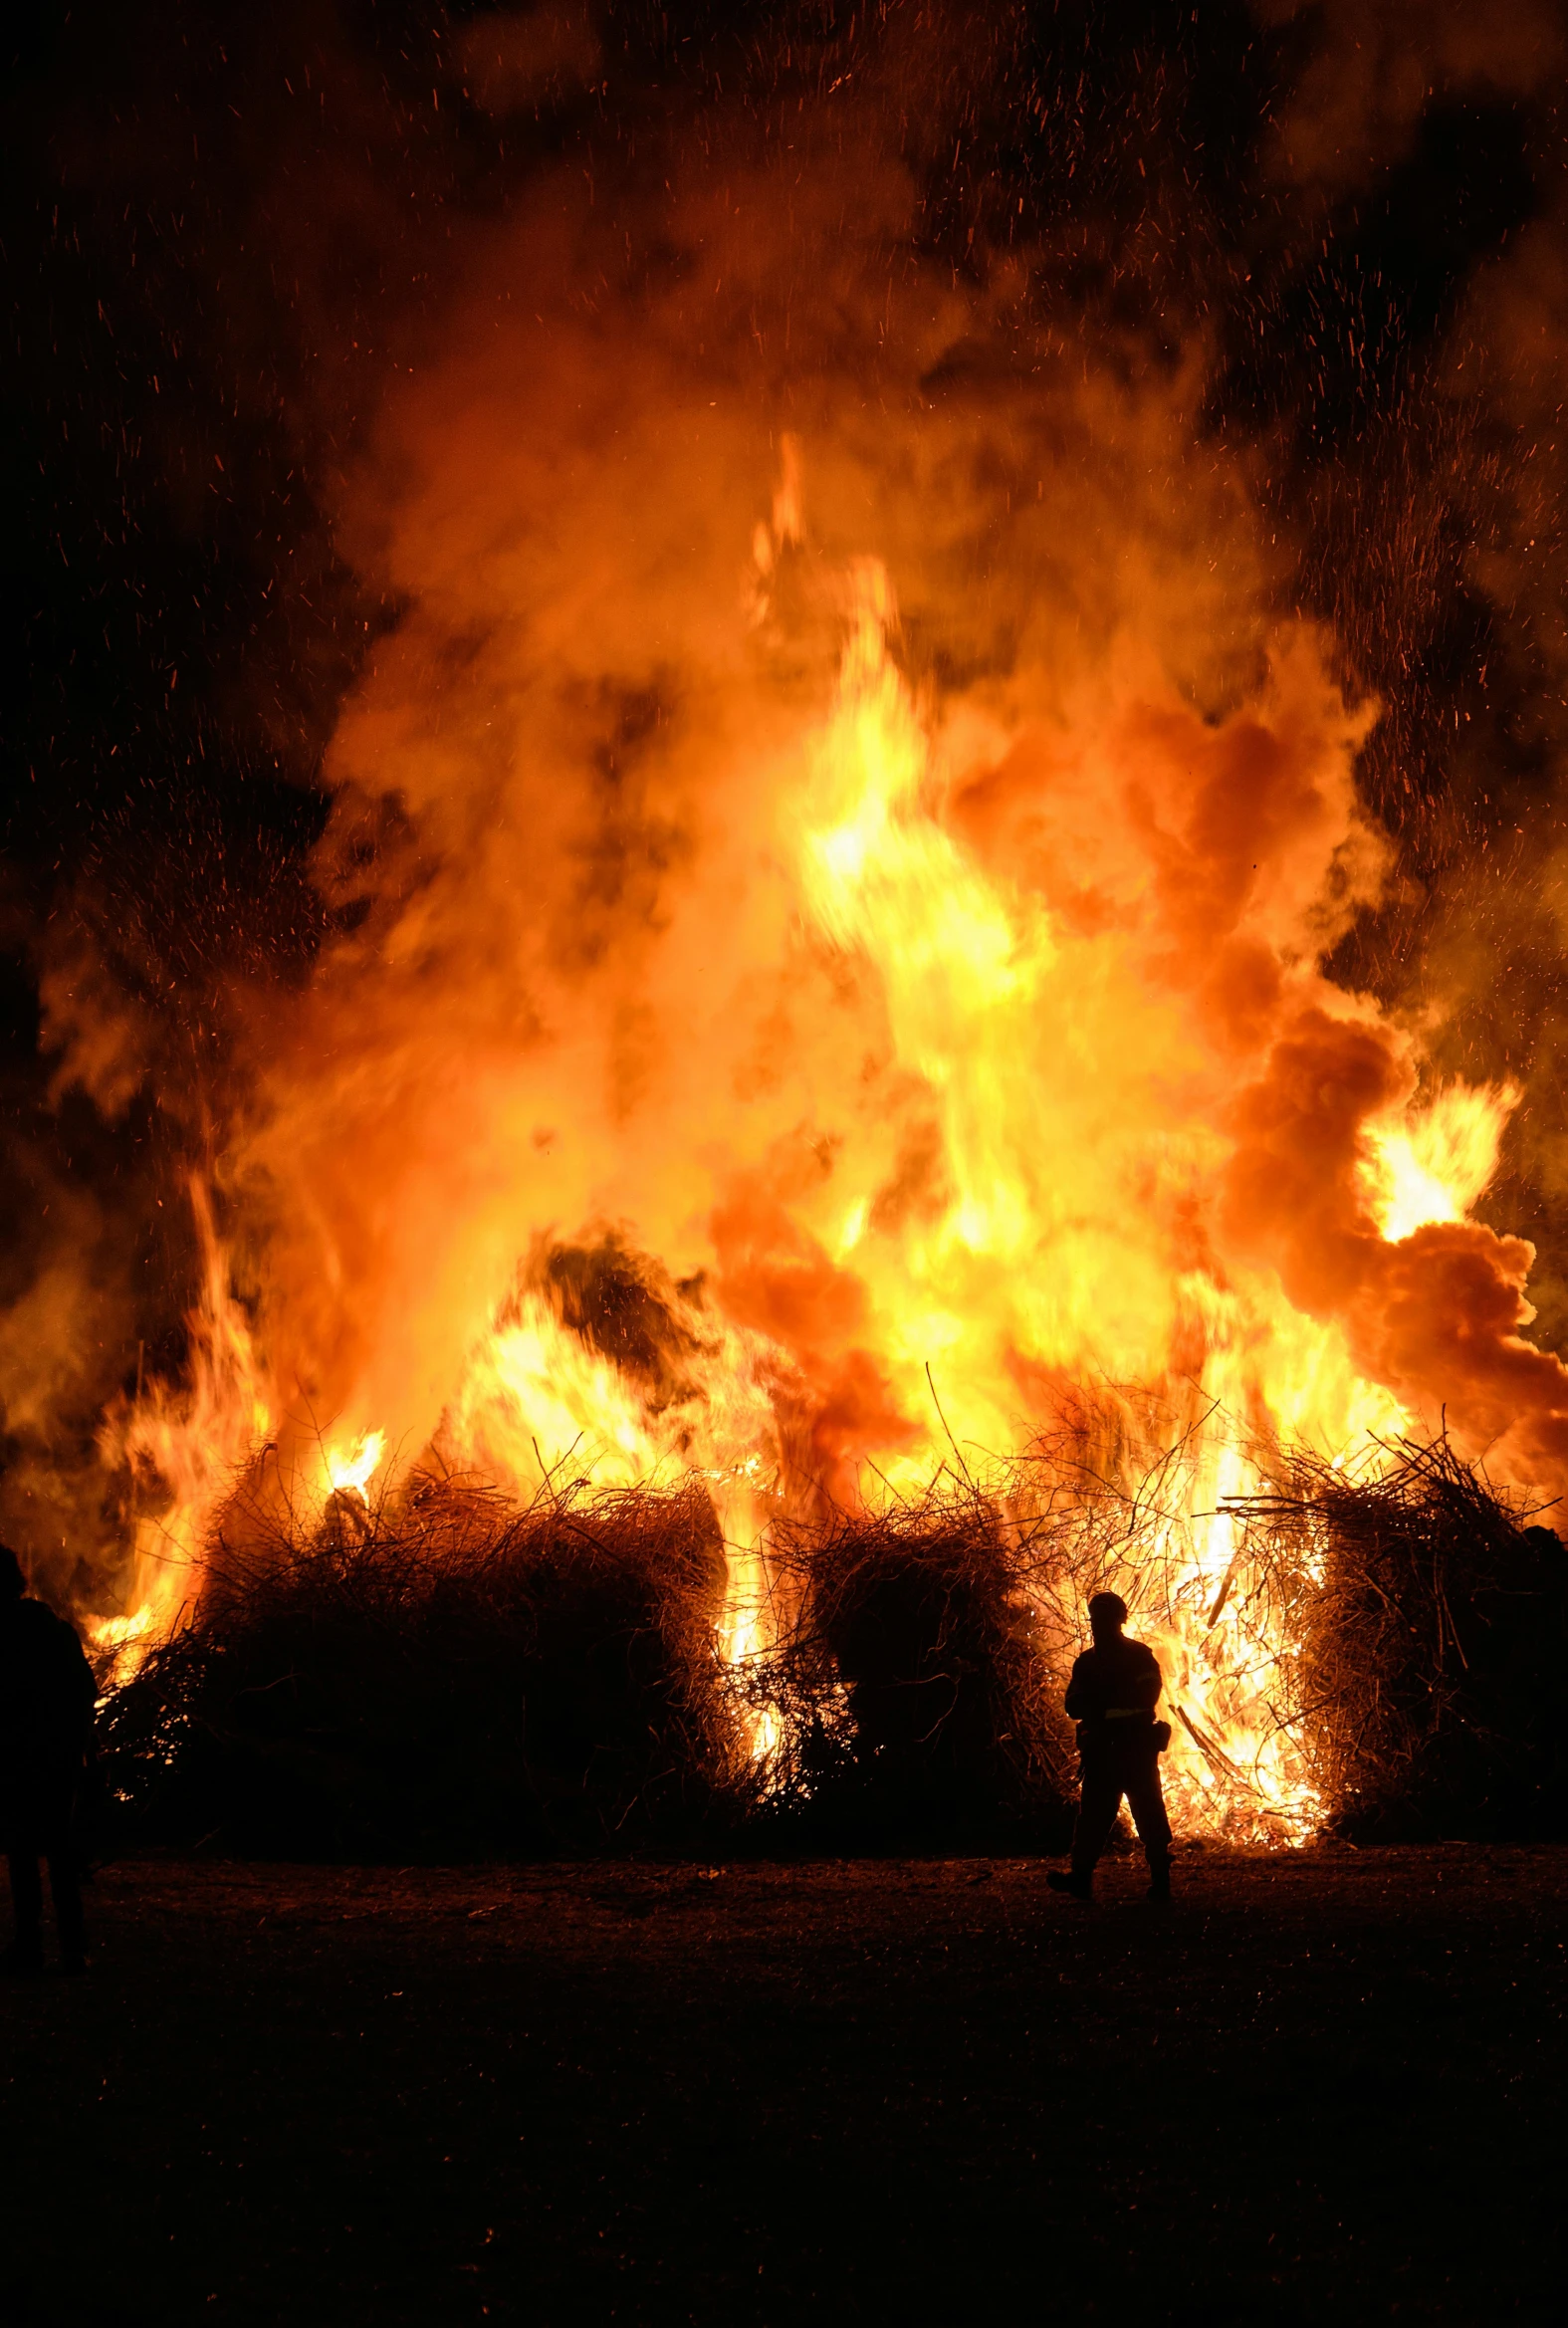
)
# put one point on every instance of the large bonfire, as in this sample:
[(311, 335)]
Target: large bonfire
[(813, 1009)]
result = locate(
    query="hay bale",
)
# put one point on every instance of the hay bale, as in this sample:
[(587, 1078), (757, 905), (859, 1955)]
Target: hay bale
[(917, 1696), (1432, 1622), (444, 1678)]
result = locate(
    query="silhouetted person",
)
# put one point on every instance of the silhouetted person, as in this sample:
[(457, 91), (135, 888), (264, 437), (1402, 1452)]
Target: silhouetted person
[(1114, 1689), (46, 1736)]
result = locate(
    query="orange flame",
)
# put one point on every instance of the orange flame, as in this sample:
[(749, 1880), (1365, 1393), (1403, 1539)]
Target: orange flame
[(184, 1451)]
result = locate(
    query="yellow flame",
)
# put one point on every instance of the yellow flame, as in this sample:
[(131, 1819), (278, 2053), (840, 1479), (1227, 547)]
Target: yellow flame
[(351, 1470), (1433, 1163)]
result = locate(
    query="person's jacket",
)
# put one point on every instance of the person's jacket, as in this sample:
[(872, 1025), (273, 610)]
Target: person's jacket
[(1114, 1689), (47, 1692)]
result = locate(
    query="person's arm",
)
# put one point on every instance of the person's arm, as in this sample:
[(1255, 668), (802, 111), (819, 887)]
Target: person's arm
[(1082, 1697)]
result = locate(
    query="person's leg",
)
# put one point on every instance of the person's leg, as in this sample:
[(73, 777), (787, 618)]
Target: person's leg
[(1099, 1800), (64, 1889), (26, 1951), (1146, 1801)]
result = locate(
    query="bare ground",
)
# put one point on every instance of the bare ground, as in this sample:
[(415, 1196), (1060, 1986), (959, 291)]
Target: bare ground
[(1322, 2088)]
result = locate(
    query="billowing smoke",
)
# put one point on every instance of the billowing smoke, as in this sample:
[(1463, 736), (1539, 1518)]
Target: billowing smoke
[(465, 910)]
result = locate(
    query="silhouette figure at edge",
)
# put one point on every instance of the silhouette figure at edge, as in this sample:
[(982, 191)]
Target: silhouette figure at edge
[(47, 1692), (1112, 1695)]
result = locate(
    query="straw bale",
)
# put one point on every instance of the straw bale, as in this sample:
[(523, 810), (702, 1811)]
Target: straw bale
[(1432, 1620), (918, 1692), (443, 1675)]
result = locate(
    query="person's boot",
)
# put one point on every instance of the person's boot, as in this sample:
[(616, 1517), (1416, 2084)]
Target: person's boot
[(1079, 1884), (1159, 1879)]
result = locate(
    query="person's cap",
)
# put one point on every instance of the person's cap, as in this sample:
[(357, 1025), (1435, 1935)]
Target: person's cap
[(12, 1581), (1107, 1608)]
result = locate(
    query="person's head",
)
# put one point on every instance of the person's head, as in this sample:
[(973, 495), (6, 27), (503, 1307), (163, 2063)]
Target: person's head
[(12, 1581), (1107, 1615)]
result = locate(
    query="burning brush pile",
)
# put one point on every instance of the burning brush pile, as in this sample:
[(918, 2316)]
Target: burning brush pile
[(439, 1673)]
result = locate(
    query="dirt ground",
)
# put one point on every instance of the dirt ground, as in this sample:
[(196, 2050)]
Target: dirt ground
[(1322, 2088)]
